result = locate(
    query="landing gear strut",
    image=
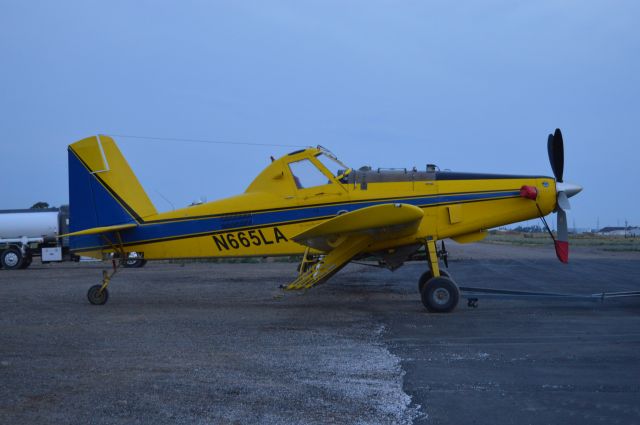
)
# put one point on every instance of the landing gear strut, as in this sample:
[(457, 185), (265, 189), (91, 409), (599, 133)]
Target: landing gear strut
[(439, 293), (99, 294)]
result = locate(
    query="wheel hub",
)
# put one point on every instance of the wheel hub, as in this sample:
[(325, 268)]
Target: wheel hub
[(97, 295), (441, 296), (11, 259)]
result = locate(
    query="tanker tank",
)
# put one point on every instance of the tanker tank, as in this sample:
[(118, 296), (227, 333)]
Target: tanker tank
[(16, 224)]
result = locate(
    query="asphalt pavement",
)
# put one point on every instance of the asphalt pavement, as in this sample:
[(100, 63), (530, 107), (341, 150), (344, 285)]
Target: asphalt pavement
[(210, 343)]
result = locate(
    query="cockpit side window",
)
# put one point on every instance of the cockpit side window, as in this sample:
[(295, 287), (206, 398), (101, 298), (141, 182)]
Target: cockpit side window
[(306, 174)]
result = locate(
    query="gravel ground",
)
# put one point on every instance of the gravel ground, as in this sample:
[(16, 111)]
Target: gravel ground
[(220, 343), (203, 343)]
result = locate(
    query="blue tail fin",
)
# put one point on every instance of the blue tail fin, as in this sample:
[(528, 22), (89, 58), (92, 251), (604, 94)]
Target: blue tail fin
[(103, 191)]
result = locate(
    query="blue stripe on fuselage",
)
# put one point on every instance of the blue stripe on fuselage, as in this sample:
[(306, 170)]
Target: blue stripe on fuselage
[(169, 230)]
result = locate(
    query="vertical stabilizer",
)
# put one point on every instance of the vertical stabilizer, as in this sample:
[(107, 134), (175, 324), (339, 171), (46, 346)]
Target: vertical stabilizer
[(103, 191)]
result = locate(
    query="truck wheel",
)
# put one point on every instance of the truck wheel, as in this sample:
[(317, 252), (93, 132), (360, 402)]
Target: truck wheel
[(27, 259), (11, 259), (27, 262)]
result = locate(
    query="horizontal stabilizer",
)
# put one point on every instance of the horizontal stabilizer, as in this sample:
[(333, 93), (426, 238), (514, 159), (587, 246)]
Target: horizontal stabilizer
[(99, 230)]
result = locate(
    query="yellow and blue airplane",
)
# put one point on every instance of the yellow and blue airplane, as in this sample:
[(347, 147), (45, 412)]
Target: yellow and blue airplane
[(309, 203)]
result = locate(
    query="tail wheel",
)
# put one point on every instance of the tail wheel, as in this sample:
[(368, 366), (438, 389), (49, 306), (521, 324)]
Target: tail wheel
[(97, 296), (428, 275), (440, 295), (12, 259)]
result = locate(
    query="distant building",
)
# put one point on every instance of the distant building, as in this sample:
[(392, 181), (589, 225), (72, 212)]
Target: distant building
[(619, 231)]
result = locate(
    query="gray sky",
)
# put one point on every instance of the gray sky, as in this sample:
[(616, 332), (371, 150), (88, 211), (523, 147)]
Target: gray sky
[(470, 86)]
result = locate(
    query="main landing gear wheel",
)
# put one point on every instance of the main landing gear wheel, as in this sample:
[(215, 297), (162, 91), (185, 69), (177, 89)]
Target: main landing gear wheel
[(428, 275), (11, 259), (97, 296), (134, 261), (440, 295)]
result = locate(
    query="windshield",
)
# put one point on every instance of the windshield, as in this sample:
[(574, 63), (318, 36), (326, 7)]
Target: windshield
[(331, 163)]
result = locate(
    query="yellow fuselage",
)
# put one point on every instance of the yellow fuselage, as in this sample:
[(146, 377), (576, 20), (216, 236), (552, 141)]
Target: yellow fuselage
[(263, 220)]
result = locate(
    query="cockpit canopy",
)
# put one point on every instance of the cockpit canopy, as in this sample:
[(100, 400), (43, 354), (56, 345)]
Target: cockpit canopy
[(303, 169), (306, 172)]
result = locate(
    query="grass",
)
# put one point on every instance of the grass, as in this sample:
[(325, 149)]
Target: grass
[(605, 243)]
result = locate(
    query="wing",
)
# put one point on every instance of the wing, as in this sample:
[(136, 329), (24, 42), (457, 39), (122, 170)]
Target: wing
[(379, 222), (349, 234)]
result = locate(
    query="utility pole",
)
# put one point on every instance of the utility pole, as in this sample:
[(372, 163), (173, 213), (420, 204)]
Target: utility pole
[(626, 227)]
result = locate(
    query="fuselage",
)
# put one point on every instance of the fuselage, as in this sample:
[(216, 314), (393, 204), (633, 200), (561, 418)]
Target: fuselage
[(278, 206)]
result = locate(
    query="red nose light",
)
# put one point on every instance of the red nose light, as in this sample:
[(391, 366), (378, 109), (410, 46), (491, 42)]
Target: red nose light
[(529, 192)]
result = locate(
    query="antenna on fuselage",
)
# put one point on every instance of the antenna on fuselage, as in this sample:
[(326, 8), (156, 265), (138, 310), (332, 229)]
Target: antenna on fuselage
[(173, 208)]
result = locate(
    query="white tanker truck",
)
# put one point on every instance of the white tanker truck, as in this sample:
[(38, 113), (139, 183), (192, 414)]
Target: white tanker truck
[(25, 234)]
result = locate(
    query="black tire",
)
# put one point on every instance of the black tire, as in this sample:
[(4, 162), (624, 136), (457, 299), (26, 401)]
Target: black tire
[(428, 275), (132, 263), (440, 295), (27, 262), (97, 297), (28, 259), (11, 259)]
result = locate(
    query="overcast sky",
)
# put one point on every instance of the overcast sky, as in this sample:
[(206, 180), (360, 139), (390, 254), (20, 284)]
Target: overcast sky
[(470, 86)]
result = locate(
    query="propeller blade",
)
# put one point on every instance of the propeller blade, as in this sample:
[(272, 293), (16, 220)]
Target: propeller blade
[(562, 241), (563, 201), (555, 148)]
